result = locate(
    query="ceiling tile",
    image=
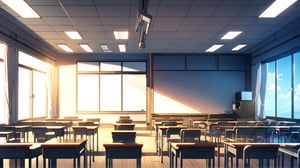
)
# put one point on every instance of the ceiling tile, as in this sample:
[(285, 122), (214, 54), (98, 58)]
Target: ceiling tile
[(46, 11), (114, 10), (81, 10)]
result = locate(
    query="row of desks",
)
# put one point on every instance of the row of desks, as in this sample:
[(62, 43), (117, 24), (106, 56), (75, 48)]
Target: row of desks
[(52, 150)]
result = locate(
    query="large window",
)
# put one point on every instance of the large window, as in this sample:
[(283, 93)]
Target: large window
[(111, 86), (3, 117), (270, 94), (297, 85), (32, 87), (283, 85)]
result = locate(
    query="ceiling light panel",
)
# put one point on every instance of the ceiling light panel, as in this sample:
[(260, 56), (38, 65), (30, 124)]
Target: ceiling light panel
[(239, 47), (277, 7), (121, 35), (231, 35), (86, 48), (105, 48), (214, 48), (122, 47), (74, 35), (65, 48), (22, 8)]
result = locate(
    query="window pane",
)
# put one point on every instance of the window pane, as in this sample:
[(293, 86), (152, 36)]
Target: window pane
[(88, 66), (110, 66), (2, 109), (24, 105), (39, 92), (2, 49), (110, 92), (270, 90), (88, 92), (297, 86), (31, 61), (134, 92), (134, 66), (284, 84)]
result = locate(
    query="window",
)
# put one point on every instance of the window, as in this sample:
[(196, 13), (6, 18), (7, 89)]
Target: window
[(297, 85), (32, 87), (270, 90), (283, 87), (111, 86), (3, 117)]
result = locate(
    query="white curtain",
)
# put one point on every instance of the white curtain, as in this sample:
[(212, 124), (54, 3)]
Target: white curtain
[(11, 84), (52, 91), (259, 77)]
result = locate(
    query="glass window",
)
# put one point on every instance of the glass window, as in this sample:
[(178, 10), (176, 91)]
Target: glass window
[(3, 118), (88, 66), (39, 94), (110, 92), (24, 96), (297, 86), (110, 66), (134, 66), (270, 90), (284, 87), (32, 87), (120, 86), (134, 92), (88, 92)]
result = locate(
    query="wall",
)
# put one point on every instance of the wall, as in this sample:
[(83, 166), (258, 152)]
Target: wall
[(197, 83)]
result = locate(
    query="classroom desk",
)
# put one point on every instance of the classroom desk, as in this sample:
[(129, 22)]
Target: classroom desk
[(122, 151), (236, 149), (192, 151), (156, 125), (59, 131), (6, 134), (23, 129), (64, 149), (20, 151), (290, 149), (90, 132), (161, 134)]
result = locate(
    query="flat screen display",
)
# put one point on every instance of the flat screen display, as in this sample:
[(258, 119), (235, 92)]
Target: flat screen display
[(244, 96)]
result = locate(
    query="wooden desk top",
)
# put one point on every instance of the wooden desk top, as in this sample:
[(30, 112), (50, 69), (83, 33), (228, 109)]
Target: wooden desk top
[(49, 127), (4, 133), (63, 142), (192, 145), (17, 126), (166, 127), (243, 144), (85, 127), (123, 145)]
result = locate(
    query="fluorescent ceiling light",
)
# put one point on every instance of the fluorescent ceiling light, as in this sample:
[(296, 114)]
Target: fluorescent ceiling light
[(276, 8), (86, 47), (231, 35), (121, 35), (122, 47), (105, 48), (214, 47), (65, 47), (238, 47), (22, 8), (74, 35)]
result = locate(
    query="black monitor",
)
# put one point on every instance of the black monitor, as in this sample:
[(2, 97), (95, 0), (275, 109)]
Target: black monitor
[(243, 96)]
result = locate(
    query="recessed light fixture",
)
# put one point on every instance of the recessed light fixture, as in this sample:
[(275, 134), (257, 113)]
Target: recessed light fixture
[(65, 47), (74, 35), (122, 47), (277, 7), (121, 35), (22, 8), (231, 35), (238, 47), (86, 47), (214, 47), (105, 48)]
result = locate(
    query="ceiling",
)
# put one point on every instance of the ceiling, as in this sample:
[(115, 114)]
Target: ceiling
[(178, 26)]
